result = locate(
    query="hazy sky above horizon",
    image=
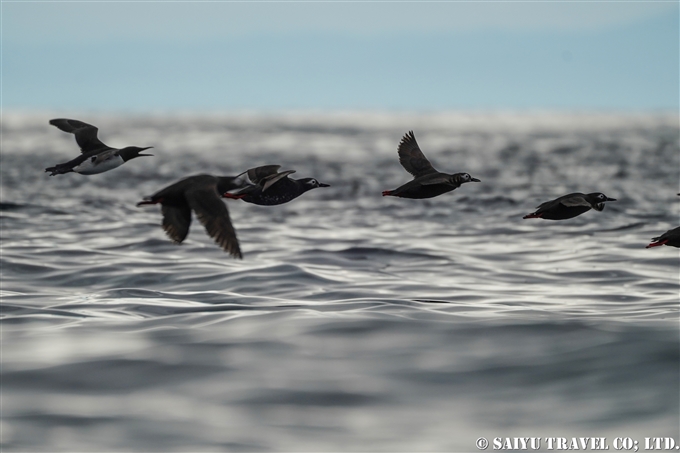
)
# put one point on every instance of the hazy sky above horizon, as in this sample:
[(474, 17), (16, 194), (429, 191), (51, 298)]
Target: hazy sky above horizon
[(271, 56)]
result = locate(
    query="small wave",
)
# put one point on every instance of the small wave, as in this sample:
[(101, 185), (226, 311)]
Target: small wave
[(9, 206), (308, 398)]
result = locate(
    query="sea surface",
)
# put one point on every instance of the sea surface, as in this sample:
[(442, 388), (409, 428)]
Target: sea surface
[(355, 322)]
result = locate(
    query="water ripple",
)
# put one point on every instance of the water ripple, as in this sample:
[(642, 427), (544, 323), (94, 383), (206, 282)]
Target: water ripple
[(355, 321)]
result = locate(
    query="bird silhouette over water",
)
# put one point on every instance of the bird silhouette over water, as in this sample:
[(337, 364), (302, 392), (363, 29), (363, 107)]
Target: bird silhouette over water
[(569, 206), (670, 238), (96, 157), (273, 188), (427, 182), (201, 194)]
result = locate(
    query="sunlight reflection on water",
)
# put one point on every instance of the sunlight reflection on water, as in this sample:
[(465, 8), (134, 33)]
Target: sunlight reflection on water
[(355, 322)]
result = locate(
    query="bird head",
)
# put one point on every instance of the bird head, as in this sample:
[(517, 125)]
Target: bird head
[(311, 183), (130, 152), (598, 199), (461, 178)]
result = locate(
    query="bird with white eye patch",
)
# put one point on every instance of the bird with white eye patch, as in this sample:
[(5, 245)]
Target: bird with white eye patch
[(274, 188), (569, 206), (427, 182)]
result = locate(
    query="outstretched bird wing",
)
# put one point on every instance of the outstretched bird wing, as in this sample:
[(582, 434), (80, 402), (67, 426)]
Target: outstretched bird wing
[(86, 134), (259, 173), (176, 221), (214, 216), (412, 158), (273, 179), (267, 175)]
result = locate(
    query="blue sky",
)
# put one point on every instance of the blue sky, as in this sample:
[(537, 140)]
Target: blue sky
[(403, 56)]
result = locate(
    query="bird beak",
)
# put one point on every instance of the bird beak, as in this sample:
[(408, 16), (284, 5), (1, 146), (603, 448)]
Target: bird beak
[(611, 199), (324, 185), (140, 152), (475, 180)]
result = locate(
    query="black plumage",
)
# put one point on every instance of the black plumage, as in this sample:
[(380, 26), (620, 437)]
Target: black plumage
[(273, 188), (569, 206), (670, 238), (427, 182), (201, 194)]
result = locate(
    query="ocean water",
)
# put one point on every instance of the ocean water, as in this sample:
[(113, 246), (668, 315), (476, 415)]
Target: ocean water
[(355, 322)]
